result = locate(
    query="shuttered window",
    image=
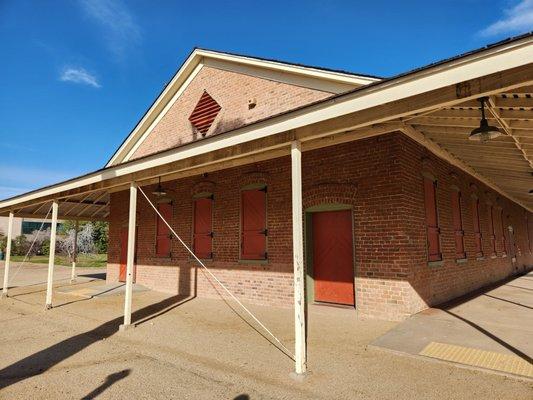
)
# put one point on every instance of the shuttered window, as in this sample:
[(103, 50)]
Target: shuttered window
[(253, 224), (458, 225), (504, 232), (163, 237), (433, 231), (477, 227), (492, 229), (527, 232), (203, 227)]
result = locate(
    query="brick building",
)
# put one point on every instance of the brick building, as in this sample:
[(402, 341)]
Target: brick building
[(292, 182)]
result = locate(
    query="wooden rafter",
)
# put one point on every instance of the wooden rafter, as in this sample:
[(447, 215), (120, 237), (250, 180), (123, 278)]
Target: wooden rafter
[(505, 126)]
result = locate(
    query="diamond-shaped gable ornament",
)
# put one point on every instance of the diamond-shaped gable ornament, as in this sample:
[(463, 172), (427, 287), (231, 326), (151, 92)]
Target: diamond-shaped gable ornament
[(204, 113)]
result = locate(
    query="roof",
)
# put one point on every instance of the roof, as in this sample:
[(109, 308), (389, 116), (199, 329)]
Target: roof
[(340, 104)]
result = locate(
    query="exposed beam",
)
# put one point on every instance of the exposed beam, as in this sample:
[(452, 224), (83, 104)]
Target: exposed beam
[(419, 137), (505, 126), (103, 207), (76, 204), (61, 217), (94, 202)]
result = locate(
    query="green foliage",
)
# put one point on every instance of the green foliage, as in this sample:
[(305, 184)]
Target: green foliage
[(100, 233), (20, 245), (45, 247), (67, 226), (101, 236), (3, 243)]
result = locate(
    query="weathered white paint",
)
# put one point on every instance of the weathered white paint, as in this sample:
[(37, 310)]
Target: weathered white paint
[(131, 254), (73, 275), (8, 254), (51, 257), (298, 259)]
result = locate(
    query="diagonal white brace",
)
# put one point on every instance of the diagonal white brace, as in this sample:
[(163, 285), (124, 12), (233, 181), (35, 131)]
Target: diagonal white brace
[(286, 350)]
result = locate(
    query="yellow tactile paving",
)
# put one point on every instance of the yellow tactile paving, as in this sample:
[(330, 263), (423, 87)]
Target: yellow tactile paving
[(479, 358)]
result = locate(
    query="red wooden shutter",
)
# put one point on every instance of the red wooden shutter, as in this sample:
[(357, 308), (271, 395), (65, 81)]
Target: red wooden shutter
[(163, 237), (458, 225), (253, 241), (504, 232), (492, 230), (527, 231), (477, 228), (203, 228), (433, 230)]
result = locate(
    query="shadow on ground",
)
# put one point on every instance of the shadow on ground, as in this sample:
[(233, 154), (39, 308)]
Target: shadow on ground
[(45, 359), (110, 380)]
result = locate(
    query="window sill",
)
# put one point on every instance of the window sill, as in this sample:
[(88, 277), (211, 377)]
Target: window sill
[(461, 261), (253, 262), (439, 263), (204, 260)]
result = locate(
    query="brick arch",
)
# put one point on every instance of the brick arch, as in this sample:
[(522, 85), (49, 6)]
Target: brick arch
[(203, 187), (329, 193), (254, 177)]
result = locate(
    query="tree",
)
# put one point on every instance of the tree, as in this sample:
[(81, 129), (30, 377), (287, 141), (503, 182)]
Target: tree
[(86, 243), (20, 245), (3, 243), (99, 229), (101, 236), (36, 241)]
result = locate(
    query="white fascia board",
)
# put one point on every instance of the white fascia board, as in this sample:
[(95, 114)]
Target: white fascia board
[(333, 76), (471, 67), (163, 99), (136, 144)]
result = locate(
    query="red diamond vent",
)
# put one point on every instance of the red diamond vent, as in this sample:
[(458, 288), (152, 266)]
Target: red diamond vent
[(204, 113)]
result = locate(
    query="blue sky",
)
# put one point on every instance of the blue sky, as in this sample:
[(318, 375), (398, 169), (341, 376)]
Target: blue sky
[(76, 75)]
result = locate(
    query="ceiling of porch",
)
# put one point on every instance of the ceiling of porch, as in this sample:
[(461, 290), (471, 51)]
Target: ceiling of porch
[(92, 206), (507, 161)]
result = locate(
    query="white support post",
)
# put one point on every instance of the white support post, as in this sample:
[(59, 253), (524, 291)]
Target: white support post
[(300, 353), (8, 253), (51, 257), (73, 274), (130, 256)]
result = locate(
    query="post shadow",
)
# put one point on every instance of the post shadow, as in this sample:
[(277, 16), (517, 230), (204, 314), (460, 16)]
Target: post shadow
[(110, 380), (41, 361)]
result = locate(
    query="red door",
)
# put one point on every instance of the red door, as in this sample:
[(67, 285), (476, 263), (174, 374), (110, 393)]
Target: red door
[(203, 228), (124, 255), (333, 257)]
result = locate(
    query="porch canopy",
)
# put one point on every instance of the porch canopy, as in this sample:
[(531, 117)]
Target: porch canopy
[(437, 106)]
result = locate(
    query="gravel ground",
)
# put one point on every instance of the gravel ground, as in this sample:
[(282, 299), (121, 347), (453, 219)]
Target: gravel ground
[(202, 349)]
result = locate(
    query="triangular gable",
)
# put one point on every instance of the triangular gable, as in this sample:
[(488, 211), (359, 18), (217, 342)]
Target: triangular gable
[(309, 83)]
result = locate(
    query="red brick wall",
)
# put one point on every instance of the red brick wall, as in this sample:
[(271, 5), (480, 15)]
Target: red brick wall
[(437, 283), (231, 91), (380, 178)]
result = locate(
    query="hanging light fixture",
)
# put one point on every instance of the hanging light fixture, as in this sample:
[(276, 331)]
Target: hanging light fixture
[(159, 191), (485, 131)]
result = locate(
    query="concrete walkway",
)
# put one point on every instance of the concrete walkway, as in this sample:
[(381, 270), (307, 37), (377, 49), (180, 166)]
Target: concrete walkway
[(22, 275), (492, 329)]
